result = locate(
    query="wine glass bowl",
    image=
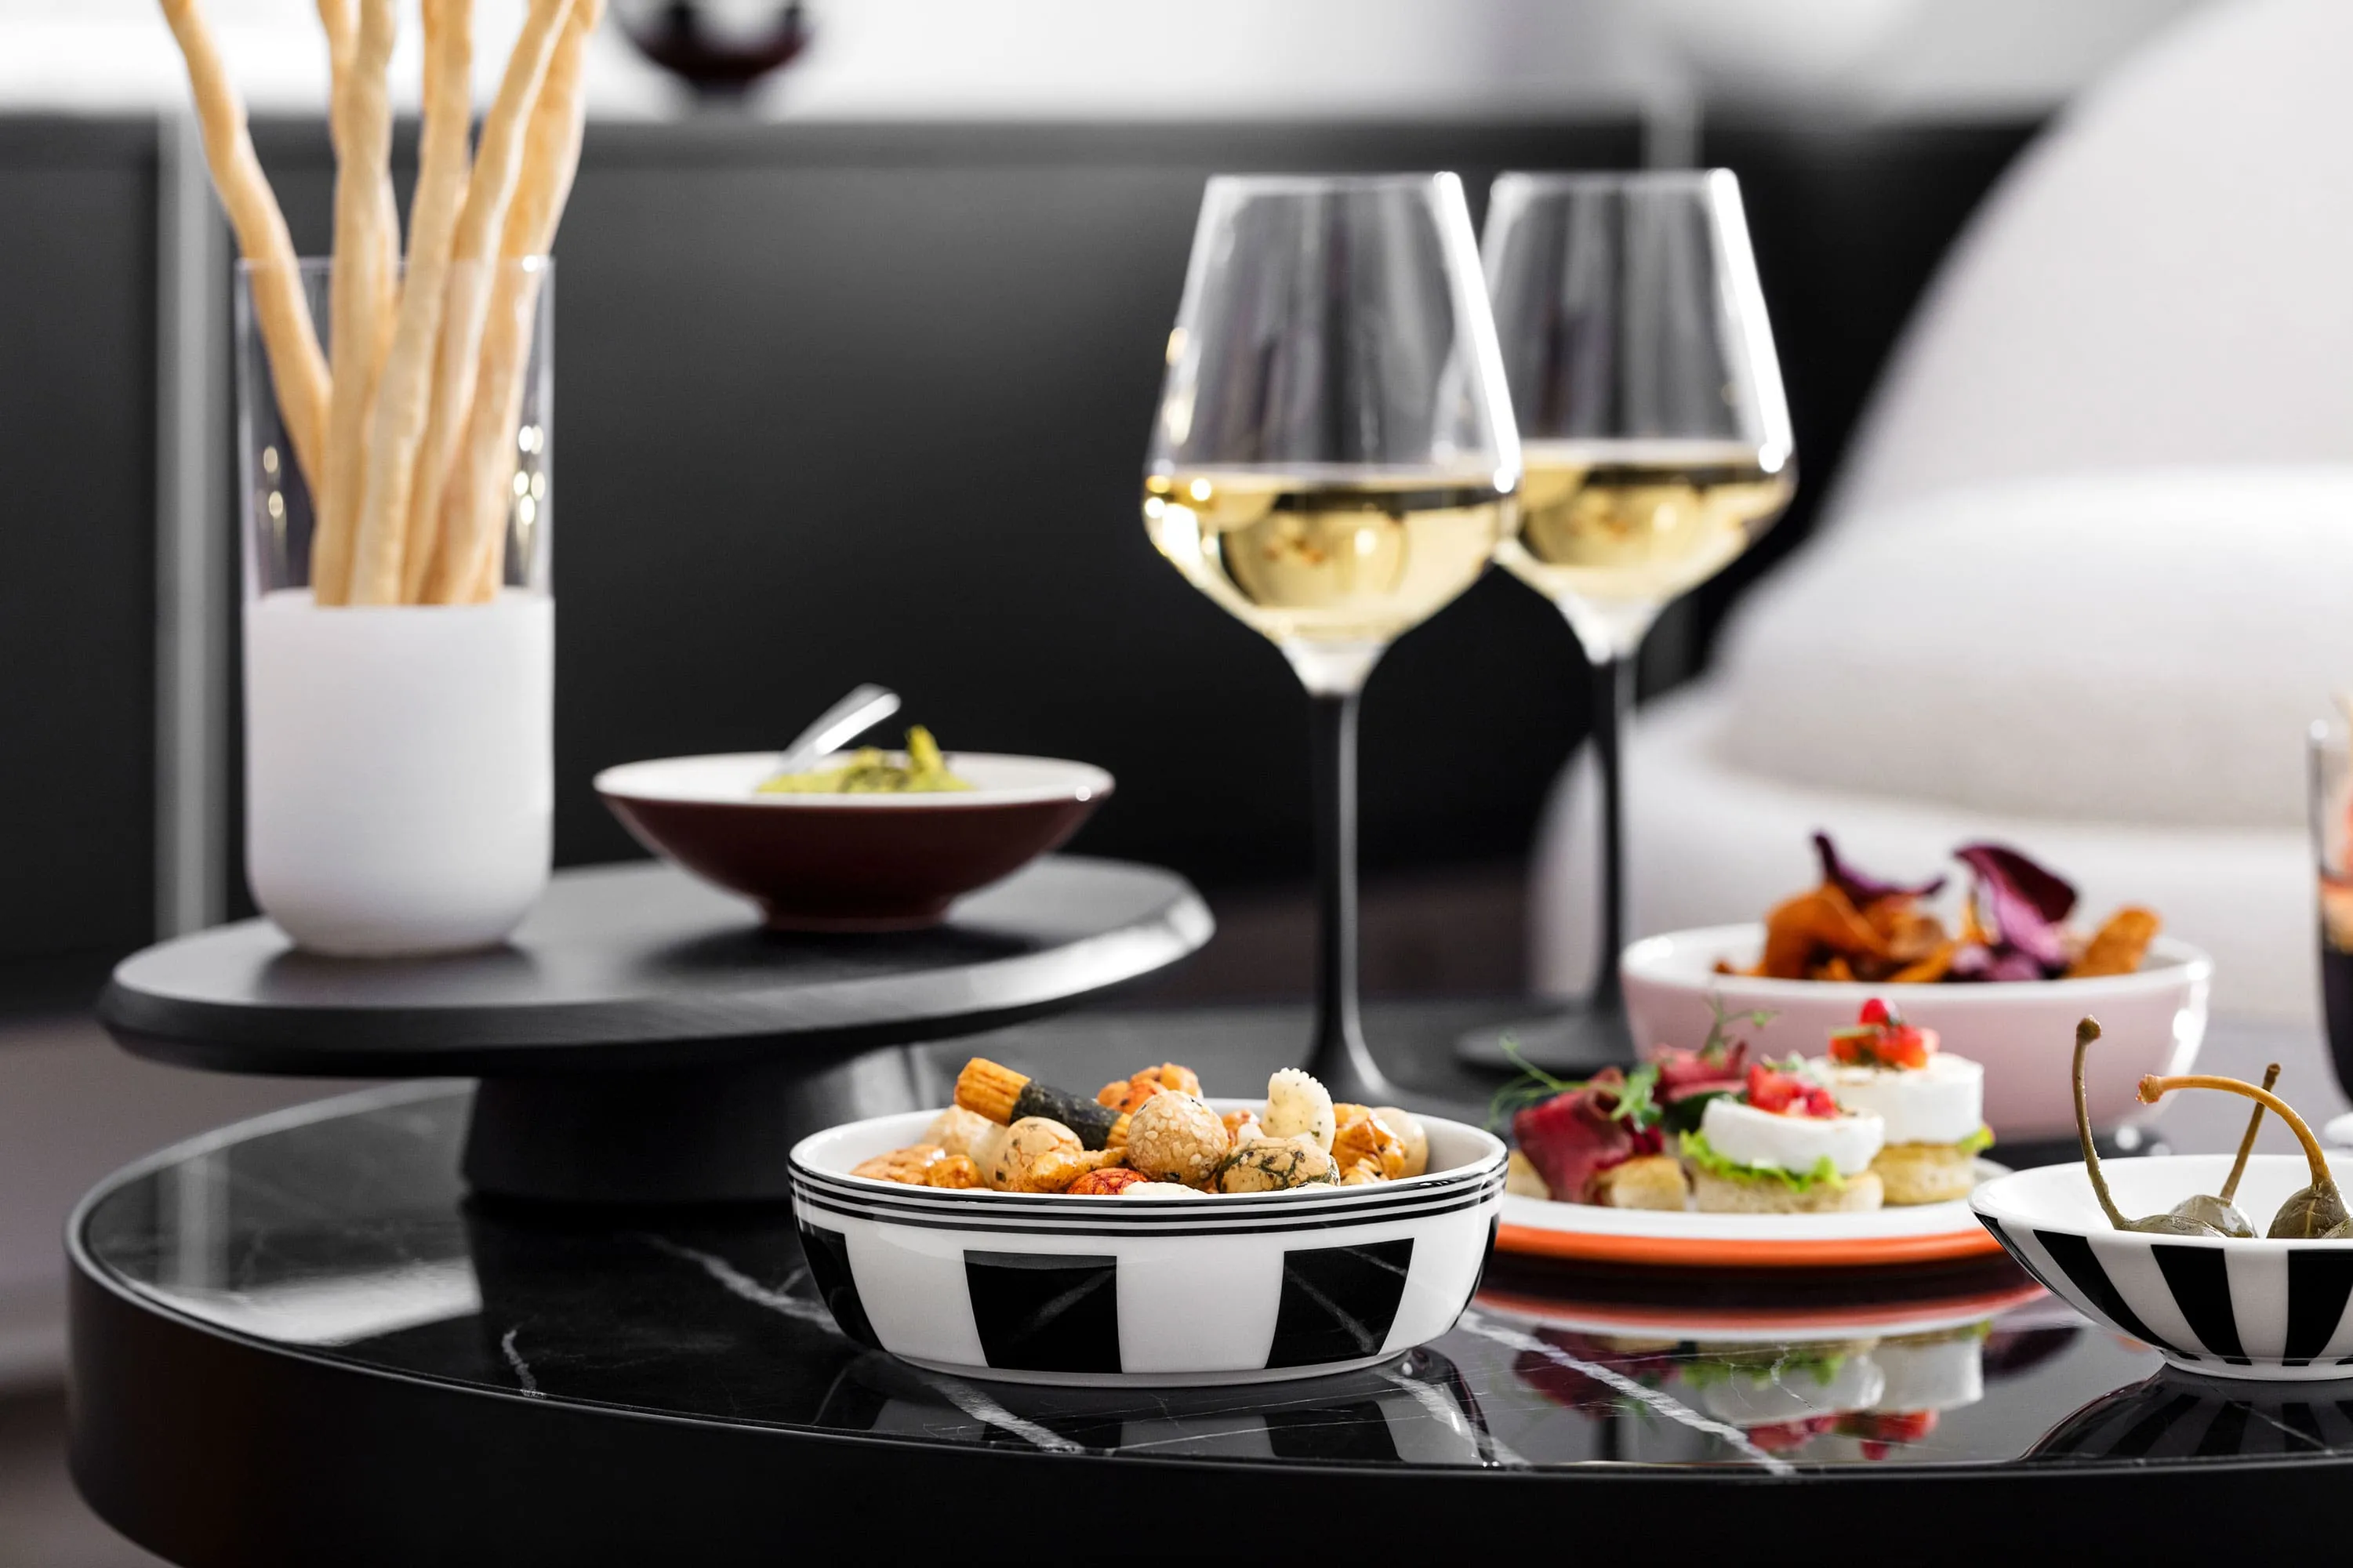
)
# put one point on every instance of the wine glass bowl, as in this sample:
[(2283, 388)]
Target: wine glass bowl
[(1655, 432), (1332, 462)]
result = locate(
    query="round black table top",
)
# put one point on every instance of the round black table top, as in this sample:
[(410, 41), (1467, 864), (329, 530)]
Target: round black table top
[(640, 965), (298, 1339)]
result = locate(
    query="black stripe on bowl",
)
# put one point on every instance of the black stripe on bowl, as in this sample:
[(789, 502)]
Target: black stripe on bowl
[(919, 1217), (2201, 1282), (1338, 1301), (2074, 1255), (1198, 1205), (1154, 1213), (828, 1253), (1479, 1275), (1165, 1213), (2319, 1285), (2017, 1252), (1038, 1313)]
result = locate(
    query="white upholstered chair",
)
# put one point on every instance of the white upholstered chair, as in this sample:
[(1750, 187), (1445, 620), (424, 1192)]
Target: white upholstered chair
[(2089, 569)]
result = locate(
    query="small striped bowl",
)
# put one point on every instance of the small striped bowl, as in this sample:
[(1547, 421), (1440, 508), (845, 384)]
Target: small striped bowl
[(2272, 1310), (1107, 1291)]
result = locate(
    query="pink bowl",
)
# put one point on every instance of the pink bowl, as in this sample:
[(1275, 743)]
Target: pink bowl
[(2022, 1031)]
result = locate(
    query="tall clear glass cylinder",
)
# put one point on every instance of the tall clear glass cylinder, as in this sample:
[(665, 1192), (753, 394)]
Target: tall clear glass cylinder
[(399, 753)]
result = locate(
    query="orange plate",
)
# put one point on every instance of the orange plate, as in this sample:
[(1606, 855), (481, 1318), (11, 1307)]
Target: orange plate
[(1819, 1321), (1864, 1252)]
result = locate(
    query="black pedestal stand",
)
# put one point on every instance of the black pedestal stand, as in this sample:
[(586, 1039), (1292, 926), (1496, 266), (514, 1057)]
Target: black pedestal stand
[(715, 1135), (640, 1039)]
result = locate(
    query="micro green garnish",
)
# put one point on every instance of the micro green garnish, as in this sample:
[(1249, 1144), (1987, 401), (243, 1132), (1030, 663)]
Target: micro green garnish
[(1533, 1087), (1637, 1096), (1718, 1030)]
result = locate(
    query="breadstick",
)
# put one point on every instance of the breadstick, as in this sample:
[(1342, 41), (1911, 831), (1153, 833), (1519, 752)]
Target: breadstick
[(497, 162), (471, 560), (398, 418), (335, 18), (288, 336), (356, 291)]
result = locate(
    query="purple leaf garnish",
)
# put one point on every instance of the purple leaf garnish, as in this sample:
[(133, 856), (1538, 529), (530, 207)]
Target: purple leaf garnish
[(1977, 962), (1860, 888), (2023, 903)]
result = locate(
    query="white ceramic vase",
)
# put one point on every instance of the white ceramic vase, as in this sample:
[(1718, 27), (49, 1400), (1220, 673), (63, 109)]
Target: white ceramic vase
[(399, 770)]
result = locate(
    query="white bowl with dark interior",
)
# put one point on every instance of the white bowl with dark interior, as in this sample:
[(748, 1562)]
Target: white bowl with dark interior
[(1114, 1291), (2276, 1310), (2021, 1031)]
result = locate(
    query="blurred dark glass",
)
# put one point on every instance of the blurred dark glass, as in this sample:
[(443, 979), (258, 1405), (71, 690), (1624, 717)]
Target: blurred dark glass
[(718, 48)]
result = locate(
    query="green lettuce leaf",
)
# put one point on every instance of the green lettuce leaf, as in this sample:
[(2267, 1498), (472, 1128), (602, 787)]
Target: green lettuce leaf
[(1701, 1152)]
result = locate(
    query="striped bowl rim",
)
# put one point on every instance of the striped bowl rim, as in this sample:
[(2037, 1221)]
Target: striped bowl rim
[(1483, 1174)]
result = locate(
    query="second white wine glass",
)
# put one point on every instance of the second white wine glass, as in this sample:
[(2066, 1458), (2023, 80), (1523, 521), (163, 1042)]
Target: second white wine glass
[(1331, 463), (1658, 447)]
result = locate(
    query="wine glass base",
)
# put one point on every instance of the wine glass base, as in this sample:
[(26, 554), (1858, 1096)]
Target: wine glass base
[(1351, 1084), (1575, 1043)]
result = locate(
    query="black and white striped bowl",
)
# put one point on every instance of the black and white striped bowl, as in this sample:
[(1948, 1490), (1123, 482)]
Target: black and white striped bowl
[(1105, 1291), (2261, 1309)]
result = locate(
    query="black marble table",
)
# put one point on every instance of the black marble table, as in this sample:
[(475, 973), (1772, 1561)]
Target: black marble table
[(641, 1038), (300, 1340)]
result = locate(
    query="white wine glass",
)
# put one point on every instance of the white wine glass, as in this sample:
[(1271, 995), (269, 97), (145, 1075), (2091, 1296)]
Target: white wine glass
[(1331, 464), (1657, 446)]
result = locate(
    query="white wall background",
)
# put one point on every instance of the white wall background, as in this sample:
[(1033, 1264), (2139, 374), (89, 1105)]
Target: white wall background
[(1124, 58)]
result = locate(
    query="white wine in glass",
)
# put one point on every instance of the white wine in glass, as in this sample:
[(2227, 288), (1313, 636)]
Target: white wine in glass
[(1620, 529), (1657, 448), (1345, 559), (1332, 463)]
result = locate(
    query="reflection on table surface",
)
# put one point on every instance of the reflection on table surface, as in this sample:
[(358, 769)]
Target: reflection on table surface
[(350, 1238)]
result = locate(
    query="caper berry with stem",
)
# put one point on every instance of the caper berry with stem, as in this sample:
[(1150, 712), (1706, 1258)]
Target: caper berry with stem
[(2087, 1032), (2220, 1212), (2311, 1214)]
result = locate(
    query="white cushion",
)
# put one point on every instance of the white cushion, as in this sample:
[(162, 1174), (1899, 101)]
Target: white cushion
[(2122, 649), (2162, 279), (1709, 843)]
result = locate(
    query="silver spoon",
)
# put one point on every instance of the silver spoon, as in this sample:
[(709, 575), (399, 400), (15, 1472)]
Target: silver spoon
[(864, 708)]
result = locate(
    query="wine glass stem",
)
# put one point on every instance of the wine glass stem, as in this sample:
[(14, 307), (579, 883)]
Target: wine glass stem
[(1613, 707), (1339, 1059)]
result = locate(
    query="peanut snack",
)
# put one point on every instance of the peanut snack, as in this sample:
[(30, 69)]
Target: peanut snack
[(1002, 1133)]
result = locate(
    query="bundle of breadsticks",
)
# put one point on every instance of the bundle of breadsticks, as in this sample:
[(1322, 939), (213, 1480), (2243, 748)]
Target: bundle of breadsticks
[(407, 435)]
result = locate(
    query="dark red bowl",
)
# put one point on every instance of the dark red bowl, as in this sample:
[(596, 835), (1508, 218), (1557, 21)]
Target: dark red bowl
[(851, 862)]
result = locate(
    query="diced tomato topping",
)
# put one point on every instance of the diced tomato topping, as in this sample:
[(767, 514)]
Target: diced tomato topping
[(1882, 1038), (1784, 1436), (1881, 1429), (1907, 1426), (1787, 1094)]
